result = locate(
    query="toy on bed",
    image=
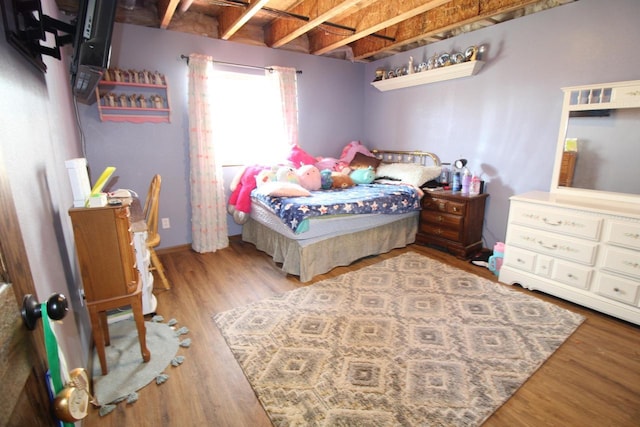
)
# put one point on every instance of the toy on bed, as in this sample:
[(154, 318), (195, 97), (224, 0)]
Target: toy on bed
[(243, 183), (272, 180), (330, 229), (363, 176)]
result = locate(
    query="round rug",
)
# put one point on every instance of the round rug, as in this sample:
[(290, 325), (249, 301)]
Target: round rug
[(126, 370)]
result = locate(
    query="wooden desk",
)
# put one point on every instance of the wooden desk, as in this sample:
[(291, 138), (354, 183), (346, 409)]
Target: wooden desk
[(107, 261)]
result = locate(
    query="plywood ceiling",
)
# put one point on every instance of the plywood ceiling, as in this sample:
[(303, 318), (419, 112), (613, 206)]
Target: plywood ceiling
[(360, 30)]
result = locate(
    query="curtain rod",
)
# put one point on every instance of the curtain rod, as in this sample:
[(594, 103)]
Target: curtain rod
[(186, 58)]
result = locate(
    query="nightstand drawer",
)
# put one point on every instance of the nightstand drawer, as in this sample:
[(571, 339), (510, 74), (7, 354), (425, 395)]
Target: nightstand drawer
[(440, 231), (442, 219), (442, 205)]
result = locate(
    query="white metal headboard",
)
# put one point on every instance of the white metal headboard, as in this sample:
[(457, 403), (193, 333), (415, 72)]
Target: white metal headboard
[(420, 157)]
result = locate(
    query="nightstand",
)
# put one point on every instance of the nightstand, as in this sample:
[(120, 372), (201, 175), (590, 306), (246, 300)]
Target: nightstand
[(452, 221)]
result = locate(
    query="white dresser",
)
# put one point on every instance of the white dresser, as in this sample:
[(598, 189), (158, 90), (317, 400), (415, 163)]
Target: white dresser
[(583, 250)]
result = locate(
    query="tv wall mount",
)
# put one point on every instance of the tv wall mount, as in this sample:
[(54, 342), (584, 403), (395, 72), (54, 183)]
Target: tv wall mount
[(25, 26)]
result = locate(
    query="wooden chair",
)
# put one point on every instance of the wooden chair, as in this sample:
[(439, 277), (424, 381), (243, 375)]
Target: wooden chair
[(150, 213)]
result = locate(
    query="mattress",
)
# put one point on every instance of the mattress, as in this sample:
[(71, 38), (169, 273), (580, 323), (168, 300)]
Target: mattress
[(326, 226)]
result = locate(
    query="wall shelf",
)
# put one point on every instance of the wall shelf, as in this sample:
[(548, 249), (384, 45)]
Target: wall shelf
[(432, 76), (133, 111)]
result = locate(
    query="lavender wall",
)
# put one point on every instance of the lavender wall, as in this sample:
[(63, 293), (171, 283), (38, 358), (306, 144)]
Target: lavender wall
[(330, 104), (37, 134), (505, 120)]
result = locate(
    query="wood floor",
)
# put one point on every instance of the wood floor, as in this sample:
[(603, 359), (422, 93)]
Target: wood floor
[(592, 380)]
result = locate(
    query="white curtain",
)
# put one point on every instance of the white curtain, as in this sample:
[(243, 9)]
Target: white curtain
[(208, 204), (285, 80)]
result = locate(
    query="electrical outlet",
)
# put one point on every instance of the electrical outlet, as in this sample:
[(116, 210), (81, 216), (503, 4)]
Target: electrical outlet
[(165, 223)]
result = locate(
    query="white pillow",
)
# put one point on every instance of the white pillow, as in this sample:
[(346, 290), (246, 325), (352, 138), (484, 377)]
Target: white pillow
[(282, 189), (409, 173)]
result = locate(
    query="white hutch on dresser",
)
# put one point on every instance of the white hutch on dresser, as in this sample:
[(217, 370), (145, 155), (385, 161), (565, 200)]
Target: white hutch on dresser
[(581, 240)]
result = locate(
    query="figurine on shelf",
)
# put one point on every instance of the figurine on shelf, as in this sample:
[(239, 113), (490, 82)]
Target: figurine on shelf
[(117, 75), (157, 101), (158, 79), (106, 76), (143, 101), (146, 77), (134, 76), (110, 99), (410, 67), (122, 98), (133, 100)]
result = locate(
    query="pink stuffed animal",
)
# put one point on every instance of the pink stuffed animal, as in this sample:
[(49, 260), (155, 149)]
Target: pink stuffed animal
[(239, 204), (350, 150), (309, 177), (299, 157)]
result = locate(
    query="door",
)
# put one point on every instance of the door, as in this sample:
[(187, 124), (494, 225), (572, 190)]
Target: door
[(24, 400)]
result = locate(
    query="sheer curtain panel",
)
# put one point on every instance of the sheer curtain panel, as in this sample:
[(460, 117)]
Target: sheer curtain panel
[(285, 79), (208, 212)]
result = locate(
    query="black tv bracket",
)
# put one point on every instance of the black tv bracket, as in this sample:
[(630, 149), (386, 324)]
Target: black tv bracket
[(26, 16)]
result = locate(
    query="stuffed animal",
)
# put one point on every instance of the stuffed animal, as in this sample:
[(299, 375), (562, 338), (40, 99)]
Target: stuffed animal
[(325, 179), (341, 180), (309, 177), (239, 204), (363, 176), (266, 175), (350, 150), (299, 157), (323, 163), (287, 174)]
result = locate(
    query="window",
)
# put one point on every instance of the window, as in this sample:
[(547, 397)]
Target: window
[(247, 118)]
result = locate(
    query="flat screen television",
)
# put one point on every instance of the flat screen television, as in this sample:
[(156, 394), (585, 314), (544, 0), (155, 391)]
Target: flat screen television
[(91, 47)]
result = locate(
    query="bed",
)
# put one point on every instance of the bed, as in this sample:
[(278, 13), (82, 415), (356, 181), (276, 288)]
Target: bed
[(318, 242)]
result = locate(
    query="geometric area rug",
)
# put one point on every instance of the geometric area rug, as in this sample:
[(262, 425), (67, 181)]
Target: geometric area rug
[(409, 341)]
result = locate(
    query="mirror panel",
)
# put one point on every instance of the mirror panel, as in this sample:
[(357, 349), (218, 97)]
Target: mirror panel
[(598, 149), (608, 151)]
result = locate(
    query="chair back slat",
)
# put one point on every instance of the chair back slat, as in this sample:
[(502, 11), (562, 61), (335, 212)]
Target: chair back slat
[(151, 205)]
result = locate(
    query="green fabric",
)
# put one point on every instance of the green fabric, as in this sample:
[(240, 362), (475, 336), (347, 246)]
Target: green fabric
[(51, 344)]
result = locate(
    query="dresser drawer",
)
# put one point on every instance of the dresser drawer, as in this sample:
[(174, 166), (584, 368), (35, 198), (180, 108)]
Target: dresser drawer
[(572, 274), (442, 219), (563, 221), (519, 258), (443, 232), (618, 288), (623, 233), (621, 260), (443, 205), (555, 245)]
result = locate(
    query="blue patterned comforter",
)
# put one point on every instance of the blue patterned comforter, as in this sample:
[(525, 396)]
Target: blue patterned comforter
[(360, 199)]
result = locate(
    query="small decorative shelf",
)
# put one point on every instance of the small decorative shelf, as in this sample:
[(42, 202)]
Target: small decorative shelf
[(133, 102), (449, 72)]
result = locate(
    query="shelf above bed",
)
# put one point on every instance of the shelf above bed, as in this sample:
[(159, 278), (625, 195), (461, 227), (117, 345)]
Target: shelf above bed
[(432, 76)]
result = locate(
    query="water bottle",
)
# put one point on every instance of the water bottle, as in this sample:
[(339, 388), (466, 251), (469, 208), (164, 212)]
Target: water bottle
[(475, 185), (444, 175), (457, 185), (466, 181)]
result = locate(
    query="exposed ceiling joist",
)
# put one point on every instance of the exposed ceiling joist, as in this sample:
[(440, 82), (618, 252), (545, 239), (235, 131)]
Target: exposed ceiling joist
[(371, 29)]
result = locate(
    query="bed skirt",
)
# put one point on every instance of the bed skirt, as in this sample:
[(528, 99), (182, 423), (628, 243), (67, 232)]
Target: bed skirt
[(307, 259)]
